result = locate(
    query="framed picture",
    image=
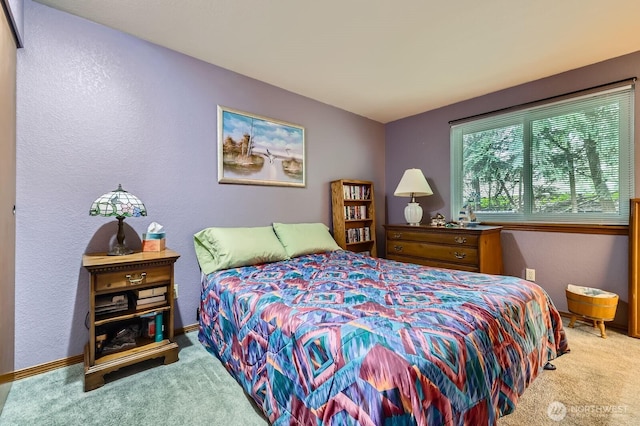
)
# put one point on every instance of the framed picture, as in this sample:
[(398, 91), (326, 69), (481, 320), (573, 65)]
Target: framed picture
[(255, 150)]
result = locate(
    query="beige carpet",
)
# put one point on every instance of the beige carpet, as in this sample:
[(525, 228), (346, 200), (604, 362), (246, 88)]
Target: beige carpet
[(597, 383)]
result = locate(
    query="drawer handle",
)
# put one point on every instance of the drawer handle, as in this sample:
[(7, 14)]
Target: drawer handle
[(396, 235), (397, 248), (460, 240), (459, 255), (134, 281)]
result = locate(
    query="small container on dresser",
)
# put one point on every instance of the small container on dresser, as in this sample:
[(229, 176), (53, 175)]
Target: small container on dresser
[(476, 249)]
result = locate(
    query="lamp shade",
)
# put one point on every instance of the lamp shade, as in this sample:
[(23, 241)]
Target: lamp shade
[(413, 184), (118, 203), (121, 204)]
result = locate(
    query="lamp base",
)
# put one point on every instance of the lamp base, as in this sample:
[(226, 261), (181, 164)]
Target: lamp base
[(120, 250), (413, 214)]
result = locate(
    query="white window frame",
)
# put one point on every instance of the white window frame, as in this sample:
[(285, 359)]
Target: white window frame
[(525, 116)]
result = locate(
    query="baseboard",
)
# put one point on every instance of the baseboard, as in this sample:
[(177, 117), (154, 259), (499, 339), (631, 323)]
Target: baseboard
[(39, 369), (65, 362), (187, 329)]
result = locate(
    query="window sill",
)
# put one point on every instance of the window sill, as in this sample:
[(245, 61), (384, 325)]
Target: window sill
[(563, 227)]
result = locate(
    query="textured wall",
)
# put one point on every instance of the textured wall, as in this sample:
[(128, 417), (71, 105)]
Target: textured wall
[(559, 259), (96, 108)]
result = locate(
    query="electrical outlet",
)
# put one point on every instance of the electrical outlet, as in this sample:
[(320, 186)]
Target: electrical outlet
[(175, 290), (530, 274)]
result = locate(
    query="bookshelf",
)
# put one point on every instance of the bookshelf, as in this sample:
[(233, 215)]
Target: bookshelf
[(131, 310), (354, 218)]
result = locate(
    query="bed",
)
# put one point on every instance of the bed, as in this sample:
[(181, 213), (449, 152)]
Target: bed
[(340, 338)]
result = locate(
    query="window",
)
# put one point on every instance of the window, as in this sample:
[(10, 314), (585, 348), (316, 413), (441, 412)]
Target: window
[(568, 161)]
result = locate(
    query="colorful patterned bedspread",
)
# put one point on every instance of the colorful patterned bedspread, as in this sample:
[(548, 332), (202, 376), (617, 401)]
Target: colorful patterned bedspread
[(344, 339)]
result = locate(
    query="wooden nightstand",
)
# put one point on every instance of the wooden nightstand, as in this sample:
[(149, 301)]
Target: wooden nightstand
[(476, 249), (126, 307)]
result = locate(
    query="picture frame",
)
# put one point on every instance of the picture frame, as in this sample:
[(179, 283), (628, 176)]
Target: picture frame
[(256, 150)]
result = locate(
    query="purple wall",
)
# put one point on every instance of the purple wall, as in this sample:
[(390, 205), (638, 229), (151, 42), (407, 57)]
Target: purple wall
[(96, 108), (559, 259)]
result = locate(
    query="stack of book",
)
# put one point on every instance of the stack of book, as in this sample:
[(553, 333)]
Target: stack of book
[(356, 192), (111, 303), (150, 297), (355, 212), (356, 235)]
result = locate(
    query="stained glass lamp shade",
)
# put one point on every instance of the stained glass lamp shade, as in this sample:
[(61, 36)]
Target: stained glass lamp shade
[(121, 204)]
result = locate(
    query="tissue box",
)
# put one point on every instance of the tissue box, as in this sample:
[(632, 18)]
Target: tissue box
[(153, 241)]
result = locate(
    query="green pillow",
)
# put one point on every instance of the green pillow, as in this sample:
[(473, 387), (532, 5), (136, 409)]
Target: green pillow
[(305, 238), (224, 248)]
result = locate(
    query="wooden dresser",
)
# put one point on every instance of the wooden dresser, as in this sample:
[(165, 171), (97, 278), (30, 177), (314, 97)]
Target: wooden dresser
[(476, 249)]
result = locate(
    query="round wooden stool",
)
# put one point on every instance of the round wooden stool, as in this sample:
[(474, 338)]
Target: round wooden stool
[(591, 303)]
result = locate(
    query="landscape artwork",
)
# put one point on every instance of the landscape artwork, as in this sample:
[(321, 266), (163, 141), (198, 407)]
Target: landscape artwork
[(257, 150)]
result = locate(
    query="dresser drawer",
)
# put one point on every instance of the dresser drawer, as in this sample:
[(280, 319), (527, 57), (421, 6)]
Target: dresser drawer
[(445, 253), (458, 239), (434, 263), (132, 277)]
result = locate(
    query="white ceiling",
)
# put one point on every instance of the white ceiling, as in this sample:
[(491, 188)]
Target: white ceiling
[(381, 59)]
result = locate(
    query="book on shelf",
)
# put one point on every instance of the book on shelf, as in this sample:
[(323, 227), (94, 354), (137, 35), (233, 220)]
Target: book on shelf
[(151, 305), (150, 292), (355, 212), (356, 192), (150, 301), (357, 235)]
